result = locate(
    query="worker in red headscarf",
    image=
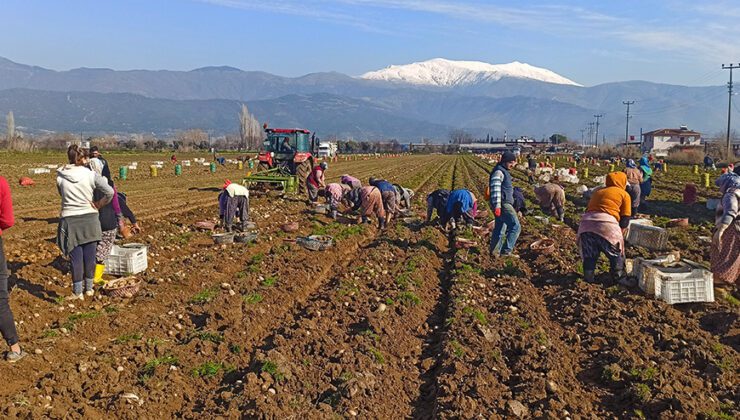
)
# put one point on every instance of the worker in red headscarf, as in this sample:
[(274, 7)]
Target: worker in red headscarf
[(232, 202)]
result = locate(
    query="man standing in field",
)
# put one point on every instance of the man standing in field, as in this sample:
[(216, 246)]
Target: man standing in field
[(502, 203)]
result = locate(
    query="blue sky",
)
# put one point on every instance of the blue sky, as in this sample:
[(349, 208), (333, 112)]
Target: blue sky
[(590, 42)]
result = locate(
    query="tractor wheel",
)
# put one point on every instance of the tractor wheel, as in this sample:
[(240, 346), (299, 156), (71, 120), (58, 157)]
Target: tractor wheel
[(301, 173), (262, 167)]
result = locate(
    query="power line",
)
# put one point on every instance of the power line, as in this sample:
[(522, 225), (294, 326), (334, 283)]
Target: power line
[(627, 126), (729, 67)]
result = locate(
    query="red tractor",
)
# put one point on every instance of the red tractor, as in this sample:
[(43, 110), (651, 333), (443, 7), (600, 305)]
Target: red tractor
[(289, 151)]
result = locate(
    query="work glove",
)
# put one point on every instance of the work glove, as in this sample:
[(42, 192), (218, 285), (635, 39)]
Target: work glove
[(497, 212)]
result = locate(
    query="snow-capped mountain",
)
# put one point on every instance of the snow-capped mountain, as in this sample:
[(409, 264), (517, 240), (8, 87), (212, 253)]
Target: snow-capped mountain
[(447, 73)]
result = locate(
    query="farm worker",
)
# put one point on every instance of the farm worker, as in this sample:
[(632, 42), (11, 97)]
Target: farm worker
[(725, 252), (437, 200), (315, 181), (351, 181), (461, 207), (7, 324), (532, 166), (369, 201), (502, 203), (100, 165), (334, 194), (519, 204), (634, 178), (233, 201), (404, 196), (173, 159), (708, 162), (601, 228), (109, 226), (95, 156), (551, 197), (79, 227), (389, 196), (646, 186)]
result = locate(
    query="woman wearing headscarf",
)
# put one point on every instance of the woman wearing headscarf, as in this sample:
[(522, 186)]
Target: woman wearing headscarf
[(634, 178), (725, 252), (646, 186), (350, 181), (334, 193), (79, 228), (600, 230), (233, 201)]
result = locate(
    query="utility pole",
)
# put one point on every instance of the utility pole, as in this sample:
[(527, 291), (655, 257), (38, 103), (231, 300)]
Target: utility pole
[(627, 127), (597, 128), (582, 130), (590, 133), (729, 67)]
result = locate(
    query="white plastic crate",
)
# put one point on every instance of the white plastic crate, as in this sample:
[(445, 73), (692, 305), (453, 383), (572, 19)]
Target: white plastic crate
[(674, 282), (38, 171), (650, 237), (644, 272), (696, 285), (126, 260)]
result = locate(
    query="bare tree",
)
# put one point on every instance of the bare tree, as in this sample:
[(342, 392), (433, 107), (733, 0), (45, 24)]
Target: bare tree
[(250, 130), (189, 139), (244, 126), (460, 136)]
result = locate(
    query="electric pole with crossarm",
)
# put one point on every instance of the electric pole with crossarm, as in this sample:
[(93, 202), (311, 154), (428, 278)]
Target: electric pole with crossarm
[(627, 127)]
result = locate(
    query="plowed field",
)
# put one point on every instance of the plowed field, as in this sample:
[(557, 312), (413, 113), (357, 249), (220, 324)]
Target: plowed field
[(398, 324)]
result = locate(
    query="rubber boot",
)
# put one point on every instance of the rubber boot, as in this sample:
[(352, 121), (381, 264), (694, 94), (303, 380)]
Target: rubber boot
[(589, 276), (98, 279), (382, 224)]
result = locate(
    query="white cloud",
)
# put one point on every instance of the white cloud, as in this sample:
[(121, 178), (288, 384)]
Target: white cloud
[(703, 31)]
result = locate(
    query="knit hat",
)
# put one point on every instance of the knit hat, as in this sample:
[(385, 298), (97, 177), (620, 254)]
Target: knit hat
[(507, 157)]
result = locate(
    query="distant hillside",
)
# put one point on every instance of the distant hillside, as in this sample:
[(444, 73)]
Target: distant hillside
[(406, 102)]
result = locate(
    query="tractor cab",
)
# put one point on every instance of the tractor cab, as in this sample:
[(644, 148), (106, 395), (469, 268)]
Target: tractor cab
[(286, 146)]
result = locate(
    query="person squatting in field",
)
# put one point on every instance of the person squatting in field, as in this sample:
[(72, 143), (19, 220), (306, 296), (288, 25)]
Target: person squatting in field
[(461, 208), (634, 179), (725, 249), (315, 181), (79, 228), (388, 193), (334, 193), (552, 199), (601, 228), (502, 202), (368, 201), (233, 202), (7, 323), (437, 200)]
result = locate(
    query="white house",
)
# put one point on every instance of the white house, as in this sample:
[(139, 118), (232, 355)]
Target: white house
[(659, 141)]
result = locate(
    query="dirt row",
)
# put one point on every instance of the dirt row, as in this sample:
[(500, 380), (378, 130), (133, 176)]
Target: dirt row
[(392, 324), (200, 301)]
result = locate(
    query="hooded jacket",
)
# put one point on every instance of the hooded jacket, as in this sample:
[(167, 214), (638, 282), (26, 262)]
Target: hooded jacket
[(7, 220), (612, 199), (76, 185)]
